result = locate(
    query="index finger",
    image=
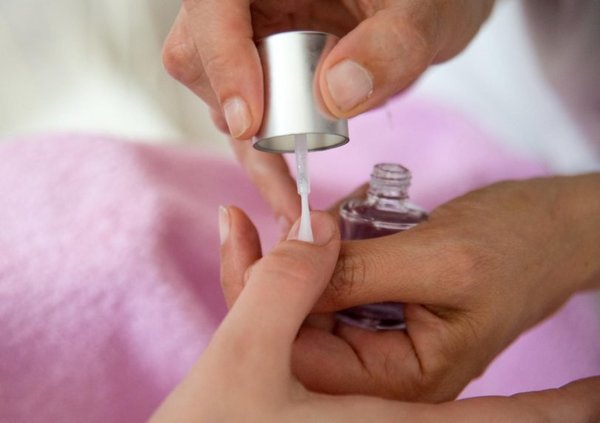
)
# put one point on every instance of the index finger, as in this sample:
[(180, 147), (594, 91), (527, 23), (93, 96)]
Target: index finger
[(222, 30), (270, 174), (279, 293)]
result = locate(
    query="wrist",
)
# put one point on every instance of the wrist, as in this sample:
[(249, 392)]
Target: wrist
[(578, 211)]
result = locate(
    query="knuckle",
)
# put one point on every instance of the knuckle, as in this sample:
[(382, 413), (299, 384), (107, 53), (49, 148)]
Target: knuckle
[(446, 369), (290, 264), (414, 42), (439, 379), (178, 59), (463, 261), (464, 258), (433, 370), (349, 275), (218, 64), (419, 40)]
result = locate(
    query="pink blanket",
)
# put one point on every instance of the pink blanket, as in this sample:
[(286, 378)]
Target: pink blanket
[(109, 260)]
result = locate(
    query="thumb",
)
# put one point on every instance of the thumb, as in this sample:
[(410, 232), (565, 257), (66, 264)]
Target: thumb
[(380, 57), (280, 291), (390, 49)]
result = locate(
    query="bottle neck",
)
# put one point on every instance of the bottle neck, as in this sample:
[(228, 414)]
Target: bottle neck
[(389, 186)]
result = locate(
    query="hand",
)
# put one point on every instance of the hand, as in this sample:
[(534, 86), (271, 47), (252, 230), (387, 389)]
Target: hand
[(385, 46), (483, 268), (245, 373)]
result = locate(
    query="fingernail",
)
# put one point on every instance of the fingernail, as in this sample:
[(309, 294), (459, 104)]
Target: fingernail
[(322, 228), (223, 224), (237, 116), (349, 84)]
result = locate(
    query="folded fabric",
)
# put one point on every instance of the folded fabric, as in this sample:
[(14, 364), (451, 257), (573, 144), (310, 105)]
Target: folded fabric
[(109, 260)]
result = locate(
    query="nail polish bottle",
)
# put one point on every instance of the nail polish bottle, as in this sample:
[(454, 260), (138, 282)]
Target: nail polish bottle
[(386, 210)]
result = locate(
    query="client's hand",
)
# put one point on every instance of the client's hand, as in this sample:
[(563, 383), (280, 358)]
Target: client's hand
[(483, 269), (245, 373)]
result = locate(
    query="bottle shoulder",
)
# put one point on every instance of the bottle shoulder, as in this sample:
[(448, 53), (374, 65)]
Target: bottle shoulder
[(395, 215)]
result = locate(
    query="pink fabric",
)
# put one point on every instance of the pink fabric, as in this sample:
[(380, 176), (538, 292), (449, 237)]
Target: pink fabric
[(109, 260)]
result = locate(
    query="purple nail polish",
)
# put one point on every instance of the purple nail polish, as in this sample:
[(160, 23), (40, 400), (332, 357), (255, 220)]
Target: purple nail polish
[(385, 211)]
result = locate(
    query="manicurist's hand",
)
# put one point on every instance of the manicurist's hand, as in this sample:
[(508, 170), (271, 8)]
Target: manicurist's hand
[(483, 268), (384, 47), (245, 374)]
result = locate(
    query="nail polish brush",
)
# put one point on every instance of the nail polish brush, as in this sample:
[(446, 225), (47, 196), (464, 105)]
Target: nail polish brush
[(295, 118)]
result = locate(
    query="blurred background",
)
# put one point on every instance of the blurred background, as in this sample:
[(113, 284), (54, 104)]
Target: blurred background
[(95, 66)]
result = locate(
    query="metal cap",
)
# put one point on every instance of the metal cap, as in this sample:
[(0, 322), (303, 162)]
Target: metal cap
[(293, 102)]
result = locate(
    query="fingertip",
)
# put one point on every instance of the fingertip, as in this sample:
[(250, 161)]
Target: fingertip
[(235, 74), (223, 224), (176, 51), (371, 63), (240, 249), (324, 227), (223, 34), (241, 225), (347, 84)]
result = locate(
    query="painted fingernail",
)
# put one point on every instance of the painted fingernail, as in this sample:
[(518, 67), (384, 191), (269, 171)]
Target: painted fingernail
[(223, 224), (349, 84), (322, 228), (237, 115)]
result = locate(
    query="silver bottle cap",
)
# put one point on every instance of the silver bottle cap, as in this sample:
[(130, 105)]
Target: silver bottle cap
[(293, 103)]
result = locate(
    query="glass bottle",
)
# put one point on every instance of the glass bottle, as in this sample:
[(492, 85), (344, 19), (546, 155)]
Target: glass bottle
[(385, 211)]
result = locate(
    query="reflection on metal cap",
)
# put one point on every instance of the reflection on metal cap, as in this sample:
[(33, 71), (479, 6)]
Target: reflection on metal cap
[(293, 103)]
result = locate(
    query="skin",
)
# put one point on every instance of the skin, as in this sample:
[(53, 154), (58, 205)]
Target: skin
[(470, 278), (486, 266), (245, 374), (211, 50)]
